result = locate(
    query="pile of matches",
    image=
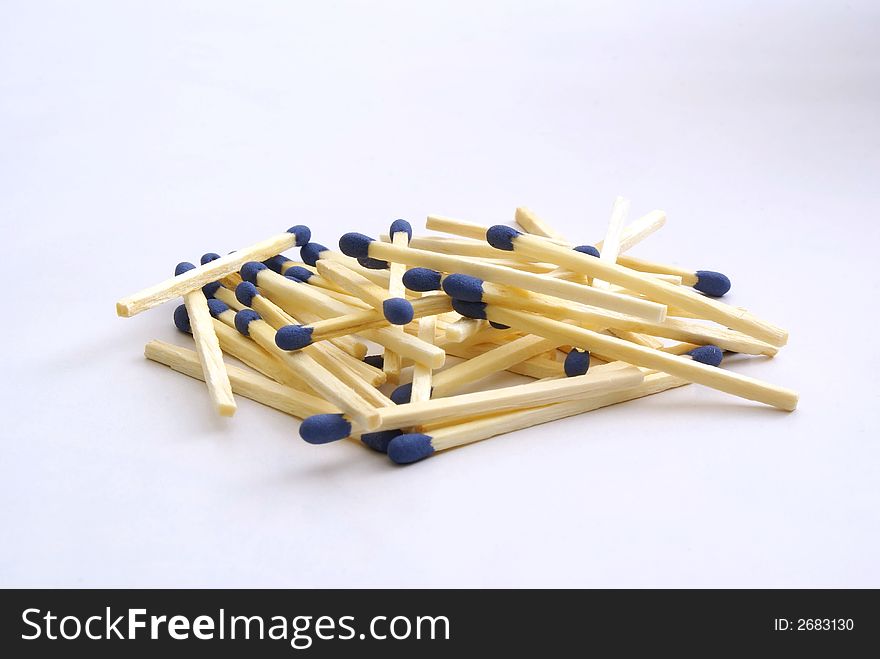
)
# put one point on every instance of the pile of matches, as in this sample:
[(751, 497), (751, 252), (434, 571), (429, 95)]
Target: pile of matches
[(591, 325)]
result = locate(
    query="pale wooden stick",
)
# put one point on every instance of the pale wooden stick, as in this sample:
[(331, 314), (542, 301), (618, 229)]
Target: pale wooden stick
[(526, 280), (636, 231), (463, 329), (210, 354), (292, 296), (658, 290), (537, 367), (619, 211), (228, 298), (423, 375), (350, 344), (531, 223), (204, 274), (608, 377), (378, 277), (391, 362), (710, 376), (688, 277), (289, 400)]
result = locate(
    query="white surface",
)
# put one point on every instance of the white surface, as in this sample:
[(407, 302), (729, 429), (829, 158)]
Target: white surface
[(135, 135)]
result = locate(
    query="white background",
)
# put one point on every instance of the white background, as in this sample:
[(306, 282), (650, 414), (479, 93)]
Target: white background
[(135, 135)]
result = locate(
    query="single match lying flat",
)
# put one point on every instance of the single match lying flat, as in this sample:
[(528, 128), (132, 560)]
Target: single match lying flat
[(584, 326)]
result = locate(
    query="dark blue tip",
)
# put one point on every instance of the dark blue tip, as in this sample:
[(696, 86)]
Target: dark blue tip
[(378, 441), (577, 362), (464, 287), (501, 237), (376, 361), (311, 252), (293, 278), (301, 273), (245, 293), (587, 249), (244, 318), (324, 428), (397, 311), (410, 448), (355, 244), (470, 309), (216, 307), (183, 266), (402, 395), (250, 270), (422, 279), (210, 290), (401, 225), (302, 234), (207, 258), (713, 284), (293, 337), (181, 319), (709, 355), (373, 264), (276, 263), (498, 326)]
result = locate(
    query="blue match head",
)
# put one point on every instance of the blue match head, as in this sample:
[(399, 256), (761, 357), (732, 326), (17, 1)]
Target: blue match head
[(355, 244), (397, 311), (587, 249), (324, 428), (183, 266), (207, 258), (244, 318), (181, 319), (409, 448), (501, 237), (709, 355), (401, 225), (373, 264), (464, 287), (422, 279), (294, 278), (245, 293), (302, 234), (210, 290), (276, 263), (216, 307), (713, 284), (378, 441), (498, 326), (376, 361), (301, 273), (470, 309), (250, 270), (577, 362), (311, 252), (293, 337), (402, 395)]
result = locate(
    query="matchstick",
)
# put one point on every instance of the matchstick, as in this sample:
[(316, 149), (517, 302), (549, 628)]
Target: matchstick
[(713, 284), (423, 375), (408, 448), (355, 244), (314, 252), (533, 224), (325, 383), (398, 310), (210, 272), (537, 367), (400, 234), (324, 428), (292, 296), (504, 237), (207, 347), (259, 388), (619, 211), (463, 329), (296, 337), (636, 231), (726, 381)]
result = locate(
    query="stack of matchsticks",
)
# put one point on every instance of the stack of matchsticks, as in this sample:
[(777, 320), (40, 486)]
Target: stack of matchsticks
[(590, 325)]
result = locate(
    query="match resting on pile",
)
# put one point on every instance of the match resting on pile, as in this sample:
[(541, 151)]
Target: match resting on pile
[(591, 326)]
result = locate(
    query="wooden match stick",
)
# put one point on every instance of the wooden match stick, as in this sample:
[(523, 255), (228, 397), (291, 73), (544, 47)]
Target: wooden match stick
[(408, 448), (533, 224), (619, 211), (504, 237), (463, 329), (210, 272), (397, 309), (400, 234), (207, 347), (356, 244), (292, 296), (538, 367), (726, 381), (296, 337), (314, 252), (321, 429), (257, 387)]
